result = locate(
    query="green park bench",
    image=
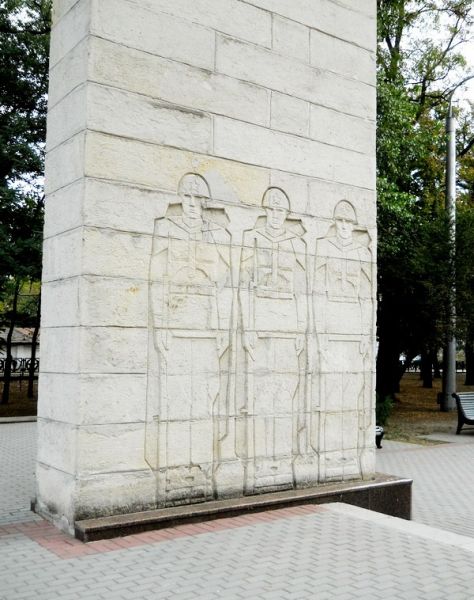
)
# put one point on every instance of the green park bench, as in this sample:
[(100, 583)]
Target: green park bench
[(465, 404)]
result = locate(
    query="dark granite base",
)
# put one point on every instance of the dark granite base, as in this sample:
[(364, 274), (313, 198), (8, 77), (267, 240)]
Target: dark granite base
[(386, 494)]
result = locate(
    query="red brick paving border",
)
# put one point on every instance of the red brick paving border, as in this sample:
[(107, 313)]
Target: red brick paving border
[(66, 547)]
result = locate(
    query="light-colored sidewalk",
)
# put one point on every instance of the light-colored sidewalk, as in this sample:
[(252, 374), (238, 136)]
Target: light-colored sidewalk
[(443, 475), (331, 552)]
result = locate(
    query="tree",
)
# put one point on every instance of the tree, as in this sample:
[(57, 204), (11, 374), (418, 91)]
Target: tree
[(24, 45), (416, 75)]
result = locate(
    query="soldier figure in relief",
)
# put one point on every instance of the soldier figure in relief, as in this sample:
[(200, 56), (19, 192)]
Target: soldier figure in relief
[(343, 309), (274, 310), (190, 303)]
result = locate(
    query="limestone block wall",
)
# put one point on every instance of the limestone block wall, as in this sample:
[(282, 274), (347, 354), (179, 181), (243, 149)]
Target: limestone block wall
[(209, 252)]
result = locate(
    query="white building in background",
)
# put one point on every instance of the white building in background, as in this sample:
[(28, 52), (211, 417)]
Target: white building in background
[(21, 344)]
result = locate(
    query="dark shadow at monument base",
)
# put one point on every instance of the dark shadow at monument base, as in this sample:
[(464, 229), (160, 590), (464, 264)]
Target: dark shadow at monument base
[(385, 494)]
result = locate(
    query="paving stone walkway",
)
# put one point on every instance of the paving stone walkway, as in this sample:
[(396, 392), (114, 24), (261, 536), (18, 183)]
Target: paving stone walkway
[(443, 489), (331, 552)]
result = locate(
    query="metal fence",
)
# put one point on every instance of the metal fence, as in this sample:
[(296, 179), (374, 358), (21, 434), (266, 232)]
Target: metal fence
[(20, 368)]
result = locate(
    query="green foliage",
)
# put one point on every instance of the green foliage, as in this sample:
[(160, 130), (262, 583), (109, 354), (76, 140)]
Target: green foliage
[(24, 44), (465, 265), (383, 409), (416, 75)]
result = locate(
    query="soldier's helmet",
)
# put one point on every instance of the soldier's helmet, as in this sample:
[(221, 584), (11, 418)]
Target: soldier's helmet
[(345, 211), (195, 185), (275, 198)]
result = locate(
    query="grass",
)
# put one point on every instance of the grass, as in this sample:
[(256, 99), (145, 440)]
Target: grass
[(19, 405), (417, 413)]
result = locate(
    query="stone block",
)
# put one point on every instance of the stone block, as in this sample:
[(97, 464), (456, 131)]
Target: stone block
[(73, 27), (129, 69), (109, 399), (234, 141), (62, 256), (111, 350), (63, 210), (55, 495), (138, 117), (114, 493), (122, 207), (60, 350), (289, 76), (67, 118), (290, 114), (341, 19), (70, 72), (130, 161), (367, 7), (63, 293), (332, 54), (100, 399), (297, 188), (290, 38), (232, 17), (58, 445), (114, 302), (110, 448), (127, 249), (60, 8), (342, 130), (324, 196), (131, 24), (65, 164), (60, 393)]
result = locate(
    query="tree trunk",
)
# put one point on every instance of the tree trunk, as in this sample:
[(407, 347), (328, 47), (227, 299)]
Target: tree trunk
[(469, 356), (9, 359), (389, 370), (436, 365), (426, 369), (31, 371)]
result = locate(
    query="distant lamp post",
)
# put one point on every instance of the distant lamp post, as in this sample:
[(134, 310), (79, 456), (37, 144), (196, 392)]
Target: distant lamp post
[(448, 403)]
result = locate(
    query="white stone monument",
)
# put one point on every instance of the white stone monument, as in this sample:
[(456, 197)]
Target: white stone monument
[(209, 279)]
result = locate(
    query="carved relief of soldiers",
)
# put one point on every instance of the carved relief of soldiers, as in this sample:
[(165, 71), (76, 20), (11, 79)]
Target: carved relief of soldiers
[(274, 315), (342, 292), (190, 311)]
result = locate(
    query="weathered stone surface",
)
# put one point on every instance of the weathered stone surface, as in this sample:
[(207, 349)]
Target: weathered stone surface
[(233, 17), (69, 73), (335, 55), (65, 164), (341, 130), (290, 114), (340, 19), (289, 76), (266, 148), (179, 84), (209, 280), (291, 38), (133, 25), (61, 7), (73, 27)]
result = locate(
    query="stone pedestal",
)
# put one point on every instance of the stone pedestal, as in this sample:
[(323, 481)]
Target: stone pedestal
[(209, 278)]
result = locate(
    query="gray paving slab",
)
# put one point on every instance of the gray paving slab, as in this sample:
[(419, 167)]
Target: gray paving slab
[(443, 481), (341, 553), (17, 468), (465, 437), (289, 552)]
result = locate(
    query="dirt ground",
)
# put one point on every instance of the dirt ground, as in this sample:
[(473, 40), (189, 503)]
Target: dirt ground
[(416, 412), (19, 405)]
